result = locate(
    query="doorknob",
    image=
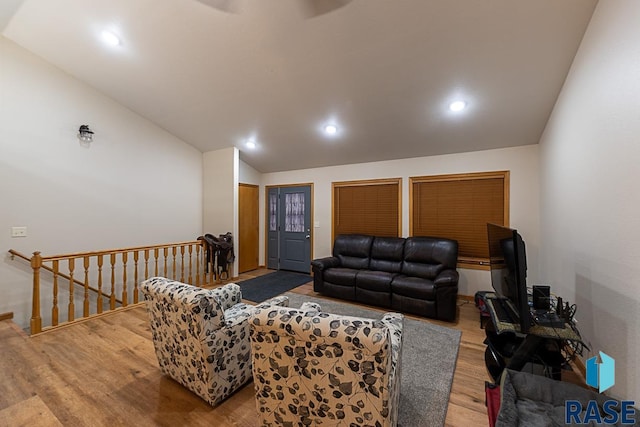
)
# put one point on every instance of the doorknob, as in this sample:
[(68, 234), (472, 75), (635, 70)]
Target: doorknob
[(307, 236)]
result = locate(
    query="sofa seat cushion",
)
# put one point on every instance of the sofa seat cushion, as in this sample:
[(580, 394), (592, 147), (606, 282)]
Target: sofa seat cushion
[(372, 280), (413, 287), (341, 276)]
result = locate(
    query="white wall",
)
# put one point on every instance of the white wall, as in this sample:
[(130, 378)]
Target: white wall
[(248, 175), (220, 195), (590, 204), (521, 161), (135, 185)]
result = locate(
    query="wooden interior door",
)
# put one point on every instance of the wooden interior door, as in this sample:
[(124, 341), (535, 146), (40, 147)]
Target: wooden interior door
[(248, 227)]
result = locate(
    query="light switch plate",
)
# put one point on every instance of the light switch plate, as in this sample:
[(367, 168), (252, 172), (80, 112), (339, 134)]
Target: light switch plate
[(18, 231)]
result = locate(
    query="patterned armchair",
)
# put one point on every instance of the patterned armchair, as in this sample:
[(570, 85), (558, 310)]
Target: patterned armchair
[(201, 336), (311, 367)]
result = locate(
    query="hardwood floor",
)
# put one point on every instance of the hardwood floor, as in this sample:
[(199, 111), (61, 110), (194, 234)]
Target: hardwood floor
[(104, 372)]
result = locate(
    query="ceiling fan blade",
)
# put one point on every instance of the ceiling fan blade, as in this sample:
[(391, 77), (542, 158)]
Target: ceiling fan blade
[(228, 6), (313, 8)]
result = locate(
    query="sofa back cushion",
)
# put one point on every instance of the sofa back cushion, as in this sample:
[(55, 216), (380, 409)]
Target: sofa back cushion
[(386, 254), (353, 250), (426, 257)]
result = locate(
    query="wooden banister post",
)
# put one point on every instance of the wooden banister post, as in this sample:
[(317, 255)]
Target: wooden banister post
[(36, 319), (85, 307), (198, 262), (112, 295), (125, 296)]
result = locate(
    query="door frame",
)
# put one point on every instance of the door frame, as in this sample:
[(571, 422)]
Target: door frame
[(266, 217)]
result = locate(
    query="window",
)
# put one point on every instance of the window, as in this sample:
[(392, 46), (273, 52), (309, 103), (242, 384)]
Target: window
[(273, 212), (294, 212), (459, 207), (367, 207)]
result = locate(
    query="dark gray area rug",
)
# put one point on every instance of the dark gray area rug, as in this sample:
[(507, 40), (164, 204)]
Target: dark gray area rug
[(270, 285), (429, 355)]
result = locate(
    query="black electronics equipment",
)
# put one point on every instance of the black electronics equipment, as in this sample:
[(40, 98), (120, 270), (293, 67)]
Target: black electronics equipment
[(548, 318), (508, 263), (559, 307), (542, 297)]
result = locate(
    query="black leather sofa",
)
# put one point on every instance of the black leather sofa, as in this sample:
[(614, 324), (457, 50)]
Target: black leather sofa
[(414, 275)]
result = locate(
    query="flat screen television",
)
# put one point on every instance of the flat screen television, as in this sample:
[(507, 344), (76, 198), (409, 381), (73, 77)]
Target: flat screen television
[(508, 261)]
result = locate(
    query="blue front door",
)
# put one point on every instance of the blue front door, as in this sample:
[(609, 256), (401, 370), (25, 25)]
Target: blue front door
[(289, 228)]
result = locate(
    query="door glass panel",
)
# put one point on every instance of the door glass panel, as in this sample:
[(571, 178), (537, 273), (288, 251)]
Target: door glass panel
[(294, 214), (273, 210)]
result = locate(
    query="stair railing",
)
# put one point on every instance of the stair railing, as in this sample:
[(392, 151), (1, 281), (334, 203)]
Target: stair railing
[(109, 279)]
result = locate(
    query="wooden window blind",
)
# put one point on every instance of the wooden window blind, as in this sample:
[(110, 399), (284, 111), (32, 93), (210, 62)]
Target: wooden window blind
[(459, 207), (367, 207)]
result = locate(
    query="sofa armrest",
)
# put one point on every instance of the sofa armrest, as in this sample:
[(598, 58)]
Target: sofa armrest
[(321, 264), (447, 278), (446, 285), (318, 266)]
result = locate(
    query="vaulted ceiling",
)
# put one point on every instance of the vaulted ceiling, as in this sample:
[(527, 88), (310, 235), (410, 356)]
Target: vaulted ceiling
[(216, 73)]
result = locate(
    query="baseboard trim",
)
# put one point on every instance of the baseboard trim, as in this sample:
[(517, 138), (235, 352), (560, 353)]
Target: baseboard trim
[(466, 298), (6, 316)]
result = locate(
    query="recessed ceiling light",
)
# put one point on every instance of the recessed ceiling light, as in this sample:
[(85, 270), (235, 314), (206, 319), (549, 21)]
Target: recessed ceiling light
[(457, 106), (109, 38), (250, 144), (330, 129)]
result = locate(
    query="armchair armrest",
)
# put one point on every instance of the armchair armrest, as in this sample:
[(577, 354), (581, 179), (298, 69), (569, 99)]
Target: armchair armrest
[(321, 264), (310, 308), (281, 300), (237, 314), (241, 312), (447, 278), (228, 295), (395, 323)]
